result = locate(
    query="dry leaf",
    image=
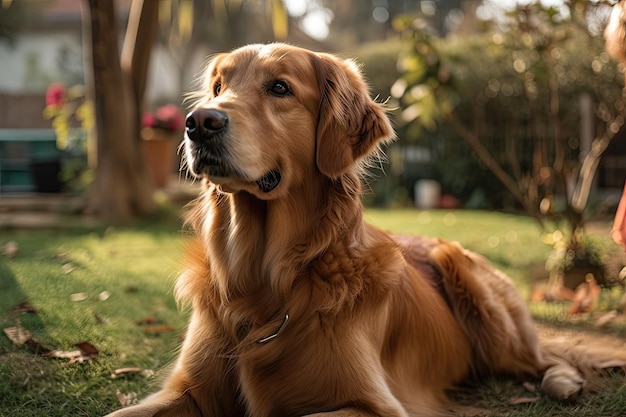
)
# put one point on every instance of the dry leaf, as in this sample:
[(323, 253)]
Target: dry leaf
[(79, 296), (121, 371), (64, 354), (126, 399), (23, 307), (10, 249), (17, 334), (20, 336), (131, 288), (148, 320), (104, 295), (86, 352), (62, 256), (67, 268), (125, 371), (523, 400)]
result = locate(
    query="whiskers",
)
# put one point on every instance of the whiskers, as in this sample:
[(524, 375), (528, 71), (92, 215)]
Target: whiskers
[(184, 170)]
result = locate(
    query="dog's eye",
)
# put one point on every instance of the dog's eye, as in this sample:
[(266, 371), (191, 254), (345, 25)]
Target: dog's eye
[(279, 88), (217, 88)]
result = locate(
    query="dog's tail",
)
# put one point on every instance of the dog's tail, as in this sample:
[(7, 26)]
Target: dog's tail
[(573, 365), (497, 322)]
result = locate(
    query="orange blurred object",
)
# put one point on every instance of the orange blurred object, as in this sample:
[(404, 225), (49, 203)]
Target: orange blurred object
[(585, 296)]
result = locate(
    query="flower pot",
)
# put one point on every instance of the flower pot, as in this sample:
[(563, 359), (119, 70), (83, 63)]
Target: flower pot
[(46, 175), (159, 149)]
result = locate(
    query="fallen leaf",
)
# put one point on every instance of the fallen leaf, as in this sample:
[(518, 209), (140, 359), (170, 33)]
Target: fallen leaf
[(67, 268), (79, 296), (10, 249), (23, 307), (64, 354), (86, 352), (87, 348), (126, 399), (17, 334), (523, 400), (21, 336), (125, 371), (62, 256), (147, 320), (131, 288), (104, 295)]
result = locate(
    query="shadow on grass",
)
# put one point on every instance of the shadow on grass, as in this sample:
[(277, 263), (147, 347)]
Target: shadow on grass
[(22, 368), (16, 309)]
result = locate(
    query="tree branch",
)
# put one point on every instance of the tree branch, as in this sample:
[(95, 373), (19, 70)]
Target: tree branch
[(486, 158)]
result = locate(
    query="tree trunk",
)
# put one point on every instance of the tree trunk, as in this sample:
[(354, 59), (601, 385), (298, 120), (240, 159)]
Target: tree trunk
[(122, 189)]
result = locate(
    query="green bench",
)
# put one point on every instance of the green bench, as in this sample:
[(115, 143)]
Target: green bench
[(18, 148)]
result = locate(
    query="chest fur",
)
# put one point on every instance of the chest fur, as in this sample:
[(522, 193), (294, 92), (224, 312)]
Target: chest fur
[(308, 367)]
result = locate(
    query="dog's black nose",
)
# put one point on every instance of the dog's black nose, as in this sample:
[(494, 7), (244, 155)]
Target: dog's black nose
[(203, 124)]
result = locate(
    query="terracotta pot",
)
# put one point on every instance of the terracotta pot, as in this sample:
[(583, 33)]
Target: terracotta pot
[(159, 147)]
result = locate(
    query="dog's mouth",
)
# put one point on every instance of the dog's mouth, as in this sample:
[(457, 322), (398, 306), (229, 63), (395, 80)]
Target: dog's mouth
[(269, 181), (213, 164)]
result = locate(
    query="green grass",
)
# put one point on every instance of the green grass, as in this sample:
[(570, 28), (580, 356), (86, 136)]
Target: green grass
[(137, 267)]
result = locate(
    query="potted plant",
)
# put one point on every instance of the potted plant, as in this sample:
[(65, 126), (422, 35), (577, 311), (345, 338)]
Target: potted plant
[(161, 131)]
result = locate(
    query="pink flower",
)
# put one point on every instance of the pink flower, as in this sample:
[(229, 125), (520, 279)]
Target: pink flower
[(148, 120), (55, 95), (170, 117)]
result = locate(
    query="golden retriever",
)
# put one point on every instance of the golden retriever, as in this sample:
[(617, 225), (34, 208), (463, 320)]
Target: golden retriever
[(299, 307)]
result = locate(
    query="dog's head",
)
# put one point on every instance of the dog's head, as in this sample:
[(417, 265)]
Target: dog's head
[(269, 116)]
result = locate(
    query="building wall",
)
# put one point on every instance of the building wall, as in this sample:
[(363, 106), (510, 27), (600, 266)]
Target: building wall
[(32, 63)]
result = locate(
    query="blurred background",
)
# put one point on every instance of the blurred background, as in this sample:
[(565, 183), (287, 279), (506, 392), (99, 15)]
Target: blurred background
[(498, 104)]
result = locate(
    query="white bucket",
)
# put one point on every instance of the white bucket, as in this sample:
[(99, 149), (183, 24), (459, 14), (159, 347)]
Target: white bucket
[(427, 194)]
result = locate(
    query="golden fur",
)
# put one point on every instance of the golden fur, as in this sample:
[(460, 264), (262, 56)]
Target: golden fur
[(360, 323)]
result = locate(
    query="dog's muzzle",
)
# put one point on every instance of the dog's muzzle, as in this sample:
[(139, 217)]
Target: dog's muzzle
[(204, 128)]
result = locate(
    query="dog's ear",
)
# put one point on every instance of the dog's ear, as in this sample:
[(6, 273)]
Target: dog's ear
[(351, 125)]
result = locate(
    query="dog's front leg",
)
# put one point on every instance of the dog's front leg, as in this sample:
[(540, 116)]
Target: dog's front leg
[(214, 395), (162, 404), (201, 384)]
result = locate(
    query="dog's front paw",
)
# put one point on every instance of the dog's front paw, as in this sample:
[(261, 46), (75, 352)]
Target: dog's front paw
[(563, 382)]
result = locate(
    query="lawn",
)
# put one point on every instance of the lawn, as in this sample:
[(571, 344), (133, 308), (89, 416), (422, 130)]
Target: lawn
[(112, 288)]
